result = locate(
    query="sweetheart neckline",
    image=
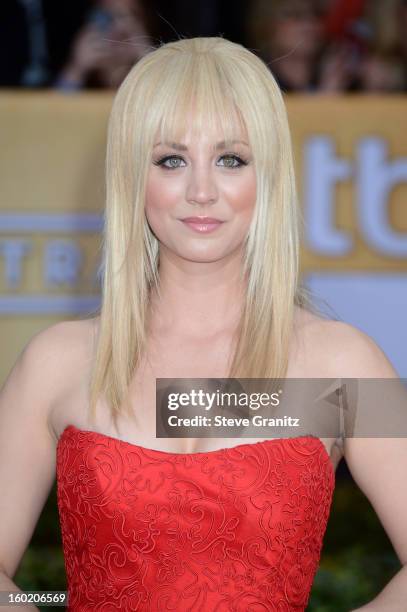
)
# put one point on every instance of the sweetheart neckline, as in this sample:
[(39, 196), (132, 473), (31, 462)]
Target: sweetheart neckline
[(198, 453)]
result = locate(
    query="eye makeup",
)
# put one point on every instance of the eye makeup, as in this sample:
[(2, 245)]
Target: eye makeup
[(239, 161)]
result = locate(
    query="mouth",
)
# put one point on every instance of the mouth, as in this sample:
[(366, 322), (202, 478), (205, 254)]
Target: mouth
[(202, 225)]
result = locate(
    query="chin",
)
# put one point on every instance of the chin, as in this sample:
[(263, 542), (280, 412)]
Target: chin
[(202, 257), (197, 256)]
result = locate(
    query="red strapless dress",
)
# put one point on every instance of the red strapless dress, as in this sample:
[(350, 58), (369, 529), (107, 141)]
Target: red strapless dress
[(234, 529)]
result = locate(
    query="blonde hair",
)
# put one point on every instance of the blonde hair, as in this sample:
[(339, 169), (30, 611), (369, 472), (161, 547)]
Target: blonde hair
[(226, 83)]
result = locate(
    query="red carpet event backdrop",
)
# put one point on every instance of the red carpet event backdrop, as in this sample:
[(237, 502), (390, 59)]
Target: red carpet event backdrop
[(351, 160)]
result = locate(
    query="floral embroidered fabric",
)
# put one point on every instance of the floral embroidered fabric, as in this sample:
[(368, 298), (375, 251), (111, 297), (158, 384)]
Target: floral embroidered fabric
[(233, 529)]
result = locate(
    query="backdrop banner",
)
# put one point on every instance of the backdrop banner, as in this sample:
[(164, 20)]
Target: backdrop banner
[(350, 155)]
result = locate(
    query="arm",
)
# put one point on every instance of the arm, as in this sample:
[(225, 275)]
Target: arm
[(89, 51), (27, 450), (6, 584), (378, 465)]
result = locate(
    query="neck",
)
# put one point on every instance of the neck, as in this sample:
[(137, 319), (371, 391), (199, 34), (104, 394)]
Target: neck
[(197, 299)]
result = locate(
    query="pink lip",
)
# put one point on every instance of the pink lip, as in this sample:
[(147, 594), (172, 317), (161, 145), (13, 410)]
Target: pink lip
[(203, 228), (202, 220), (203, 225)]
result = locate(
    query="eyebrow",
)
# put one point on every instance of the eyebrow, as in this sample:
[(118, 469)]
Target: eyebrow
[(223, 144)]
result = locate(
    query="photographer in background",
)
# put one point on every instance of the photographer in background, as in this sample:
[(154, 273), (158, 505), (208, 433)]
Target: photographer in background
[(115, 36)]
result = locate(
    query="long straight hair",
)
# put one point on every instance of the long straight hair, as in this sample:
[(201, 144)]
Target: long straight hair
[(225, 84)]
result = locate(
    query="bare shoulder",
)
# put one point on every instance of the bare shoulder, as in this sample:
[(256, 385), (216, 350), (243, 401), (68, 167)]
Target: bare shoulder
[(68, 348), (54, 347), (45, 368), (343, 350)]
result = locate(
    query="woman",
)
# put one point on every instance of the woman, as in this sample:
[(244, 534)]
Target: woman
[(198, 130)]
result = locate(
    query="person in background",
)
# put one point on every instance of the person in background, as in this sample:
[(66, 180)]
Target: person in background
[(365, 52), (383, 67), (345, 36), (294, 36), (114, 37), (328, 46), (35, 38), (310, 45)]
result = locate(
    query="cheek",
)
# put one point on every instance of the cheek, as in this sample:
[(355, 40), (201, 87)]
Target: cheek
[(161, 196), (241, 194)]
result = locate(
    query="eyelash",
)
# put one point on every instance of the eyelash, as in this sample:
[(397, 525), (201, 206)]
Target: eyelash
[(162, 160)]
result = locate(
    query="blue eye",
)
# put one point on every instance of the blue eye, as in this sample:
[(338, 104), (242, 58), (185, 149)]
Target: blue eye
[(237, 161)]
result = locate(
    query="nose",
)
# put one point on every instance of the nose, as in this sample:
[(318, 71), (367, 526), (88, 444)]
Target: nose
[(201, 187)]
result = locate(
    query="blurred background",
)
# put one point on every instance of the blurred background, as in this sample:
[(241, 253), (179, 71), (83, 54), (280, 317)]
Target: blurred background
[(310, 45), (342, 67)]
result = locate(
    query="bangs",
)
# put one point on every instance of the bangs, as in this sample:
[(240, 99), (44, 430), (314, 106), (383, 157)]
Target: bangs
[(196, 95)]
